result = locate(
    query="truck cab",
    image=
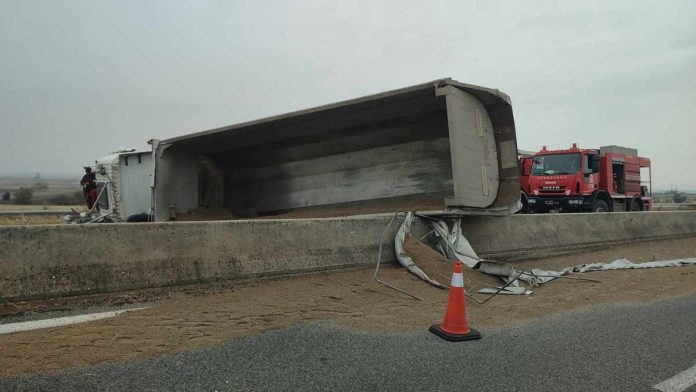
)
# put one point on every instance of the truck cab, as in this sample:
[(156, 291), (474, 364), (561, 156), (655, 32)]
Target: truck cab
[(588, 180), (124, 183), (524, 163)]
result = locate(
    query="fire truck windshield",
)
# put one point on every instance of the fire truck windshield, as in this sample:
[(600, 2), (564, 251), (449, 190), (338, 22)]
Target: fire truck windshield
[(553, 164)]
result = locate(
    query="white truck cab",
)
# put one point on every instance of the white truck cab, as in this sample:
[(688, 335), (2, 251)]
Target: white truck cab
[(124, 184)]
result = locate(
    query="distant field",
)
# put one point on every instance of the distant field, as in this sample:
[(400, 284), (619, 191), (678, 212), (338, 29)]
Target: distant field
[(44, 189)]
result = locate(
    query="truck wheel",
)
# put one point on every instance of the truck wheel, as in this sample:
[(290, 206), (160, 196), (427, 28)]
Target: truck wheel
[(634, 206), (525, 205), (139, 218), (600, 206)]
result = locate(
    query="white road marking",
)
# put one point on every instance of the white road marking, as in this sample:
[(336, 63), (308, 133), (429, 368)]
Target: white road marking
[(679, 382), (60, 321)]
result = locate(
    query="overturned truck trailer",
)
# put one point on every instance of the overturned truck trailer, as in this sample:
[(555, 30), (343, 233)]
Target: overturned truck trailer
[(439, 144)]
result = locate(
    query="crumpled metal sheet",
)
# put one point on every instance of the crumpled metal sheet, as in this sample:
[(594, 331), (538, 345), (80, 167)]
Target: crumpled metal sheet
[(452, 243), (614, 265), (496, 268)]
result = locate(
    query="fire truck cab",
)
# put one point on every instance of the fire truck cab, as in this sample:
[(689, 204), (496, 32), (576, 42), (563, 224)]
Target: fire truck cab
[(588, 180), (524, 163)]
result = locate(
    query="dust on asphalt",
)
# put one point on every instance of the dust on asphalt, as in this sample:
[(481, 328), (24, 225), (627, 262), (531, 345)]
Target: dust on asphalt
[(613, 347)]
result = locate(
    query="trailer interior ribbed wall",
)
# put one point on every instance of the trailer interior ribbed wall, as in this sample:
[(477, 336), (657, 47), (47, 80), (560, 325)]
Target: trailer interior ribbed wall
[(439, 142)]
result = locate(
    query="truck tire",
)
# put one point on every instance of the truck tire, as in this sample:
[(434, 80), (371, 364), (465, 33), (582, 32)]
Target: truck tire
[(600, 206), (525, 205), (634, 205), (139, 218)]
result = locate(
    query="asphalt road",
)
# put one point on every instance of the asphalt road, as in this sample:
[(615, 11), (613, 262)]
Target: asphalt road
[(604, 348)]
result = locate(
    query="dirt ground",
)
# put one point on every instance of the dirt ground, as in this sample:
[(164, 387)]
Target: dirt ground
[(35, 207), (20, 220), (202, 316)]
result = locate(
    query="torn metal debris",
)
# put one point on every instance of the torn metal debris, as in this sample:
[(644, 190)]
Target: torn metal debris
[(446, 237)]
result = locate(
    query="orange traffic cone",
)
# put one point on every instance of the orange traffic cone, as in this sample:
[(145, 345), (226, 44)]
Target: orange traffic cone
[(455, 327)]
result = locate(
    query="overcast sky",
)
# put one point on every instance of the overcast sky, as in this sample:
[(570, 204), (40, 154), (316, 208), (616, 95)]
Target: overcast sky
[(79, 79)]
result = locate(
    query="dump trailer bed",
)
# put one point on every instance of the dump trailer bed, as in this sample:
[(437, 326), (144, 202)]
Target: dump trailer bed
[(442, 140)]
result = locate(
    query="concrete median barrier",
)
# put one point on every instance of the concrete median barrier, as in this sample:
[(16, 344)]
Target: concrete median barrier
[(540, 235), (45, 261)]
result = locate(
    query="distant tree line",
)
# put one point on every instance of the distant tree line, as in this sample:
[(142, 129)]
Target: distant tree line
[(25, 195), (679, 197), (672, 195)]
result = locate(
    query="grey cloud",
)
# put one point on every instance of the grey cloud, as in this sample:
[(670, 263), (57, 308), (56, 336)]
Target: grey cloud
[(81, 78)]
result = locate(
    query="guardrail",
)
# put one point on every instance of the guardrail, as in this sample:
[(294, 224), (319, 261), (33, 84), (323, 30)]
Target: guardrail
[(673, 206)]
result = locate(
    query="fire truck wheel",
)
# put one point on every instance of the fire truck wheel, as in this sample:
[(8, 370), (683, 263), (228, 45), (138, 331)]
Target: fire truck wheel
[(600, 206), (525, 205), (635, 206)]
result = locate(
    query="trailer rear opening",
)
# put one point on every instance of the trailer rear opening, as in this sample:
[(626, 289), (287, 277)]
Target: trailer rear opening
[(439, 143)]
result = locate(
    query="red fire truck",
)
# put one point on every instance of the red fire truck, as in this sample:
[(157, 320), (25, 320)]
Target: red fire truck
[(590, 180), (524, 162)]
